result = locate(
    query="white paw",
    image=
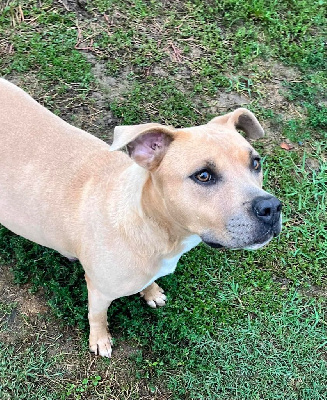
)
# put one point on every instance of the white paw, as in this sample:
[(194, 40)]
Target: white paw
[(102, 346), (154, 298)]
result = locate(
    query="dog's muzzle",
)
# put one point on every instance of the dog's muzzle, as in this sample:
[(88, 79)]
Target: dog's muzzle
[(253, 229)]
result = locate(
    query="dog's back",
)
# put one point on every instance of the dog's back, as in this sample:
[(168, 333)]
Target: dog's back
[(41, 164)]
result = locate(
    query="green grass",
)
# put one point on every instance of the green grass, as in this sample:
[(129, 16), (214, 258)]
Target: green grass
[(28, 374), (47, 52), (27, 371), (309, 94), (175, 107), (238, 325), (261, 357)]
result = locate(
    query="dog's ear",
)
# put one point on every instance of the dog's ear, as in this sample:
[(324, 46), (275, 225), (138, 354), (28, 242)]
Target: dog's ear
[(244, 120), (146, 143)]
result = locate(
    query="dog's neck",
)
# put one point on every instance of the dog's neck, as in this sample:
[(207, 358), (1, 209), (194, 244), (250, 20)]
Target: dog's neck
[(154, 207), (142, 214)]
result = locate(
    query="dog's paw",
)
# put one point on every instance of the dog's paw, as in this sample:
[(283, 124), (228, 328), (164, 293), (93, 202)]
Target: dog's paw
[(154, 296), (102, 346)]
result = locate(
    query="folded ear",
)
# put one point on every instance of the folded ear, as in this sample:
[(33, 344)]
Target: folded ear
[(146, 143), (244, 120)]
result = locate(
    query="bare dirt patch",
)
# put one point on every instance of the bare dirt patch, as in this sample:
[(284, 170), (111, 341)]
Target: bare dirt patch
[(273, 92), (29, 311), (226, 101)]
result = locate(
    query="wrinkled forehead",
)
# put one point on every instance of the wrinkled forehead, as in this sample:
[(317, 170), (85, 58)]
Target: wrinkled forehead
[(192, 146), (219, 134)]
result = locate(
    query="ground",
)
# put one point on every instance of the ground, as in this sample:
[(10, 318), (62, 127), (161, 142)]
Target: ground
[(246, 325)]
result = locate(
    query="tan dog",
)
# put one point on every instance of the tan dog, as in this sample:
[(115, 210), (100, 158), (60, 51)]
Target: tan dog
[(129, 219)]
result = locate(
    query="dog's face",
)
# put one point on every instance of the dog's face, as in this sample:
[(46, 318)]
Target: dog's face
[(210, 178), (211, 182)]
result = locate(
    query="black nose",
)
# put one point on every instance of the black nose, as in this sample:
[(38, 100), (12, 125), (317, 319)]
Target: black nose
[(267, 209)]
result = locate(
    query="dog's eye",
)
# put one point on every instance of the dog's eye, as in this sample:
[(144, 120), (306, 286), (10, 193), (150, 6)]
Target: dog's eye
[(256, 164), (204, 177)]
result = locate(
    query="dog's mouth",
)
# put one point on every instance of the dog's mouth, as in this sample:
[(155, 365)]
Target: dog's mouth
[(254, 246), (214, 245), (246, 242), (261, 243)]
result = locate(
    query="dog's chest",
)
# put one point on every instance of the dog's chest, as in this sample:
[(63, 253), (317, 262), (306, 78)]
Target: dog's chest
[(168, 265)]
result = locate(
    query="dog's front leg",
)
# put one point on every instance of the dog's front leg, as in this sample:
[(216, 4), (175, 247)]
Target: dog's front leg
[(154, 295), (100, 340)]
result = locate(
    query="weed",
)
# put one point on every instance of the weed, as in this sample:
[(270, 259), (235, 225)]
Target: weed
[(79, 391)]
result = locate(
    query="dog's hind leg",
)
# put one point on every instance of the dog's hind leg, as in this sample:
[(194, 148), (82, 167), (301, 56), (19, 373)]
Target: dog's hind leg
[(100, 340), (154, 295)]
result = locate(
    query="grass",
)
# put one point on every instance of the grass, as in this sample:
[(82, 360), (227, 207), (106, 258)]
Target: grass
[(238, 325), (256, 358), (26, 372)]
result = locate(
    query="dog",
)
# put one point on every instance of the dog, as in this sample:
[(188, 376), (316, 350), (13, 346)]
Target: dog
[(128, 217)]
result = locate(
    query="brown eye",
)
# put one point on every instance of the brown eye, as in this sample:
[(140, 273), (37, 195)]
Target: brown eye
[(203, 176), (256, 165)]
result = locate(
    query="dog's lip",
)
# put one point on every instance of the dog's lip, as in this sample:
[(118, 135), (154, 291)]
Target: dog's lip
[(277, 228), (215, 245), (274, 231)]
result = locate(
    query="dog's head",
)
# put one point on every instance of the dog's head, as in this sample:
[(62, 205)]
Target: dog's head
[(210, 178)]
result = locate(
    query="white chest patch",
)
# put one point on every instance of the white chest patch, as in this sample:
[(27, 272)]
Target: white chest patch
[(168, 265)]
